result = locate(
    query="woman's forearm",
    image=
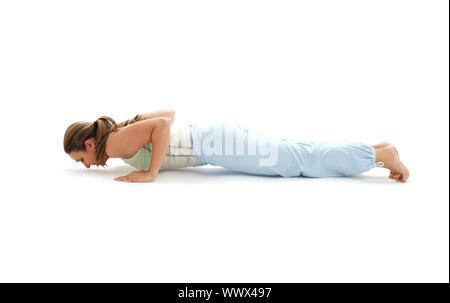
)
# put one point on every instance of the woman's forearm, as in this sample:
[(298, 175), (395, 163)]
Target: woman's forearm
[(160, 142), (168, 113)]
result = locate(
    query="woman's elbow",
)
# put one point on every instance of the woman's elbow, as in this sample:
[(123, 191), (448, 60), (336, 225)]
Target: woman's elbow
[(171, 115), (165, 121)]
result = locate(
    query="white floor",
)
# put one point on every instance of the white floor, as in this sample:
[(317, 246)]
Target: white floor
[(211, 224)]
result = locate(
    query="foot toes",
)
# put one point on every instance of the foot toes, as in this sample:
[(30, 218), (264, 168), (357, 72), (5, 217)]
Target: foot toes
[(396, 177)]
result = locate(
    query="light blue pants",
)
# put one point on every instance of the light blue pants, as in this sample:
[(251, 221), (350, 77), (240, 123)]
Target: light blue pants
[(235, 147)]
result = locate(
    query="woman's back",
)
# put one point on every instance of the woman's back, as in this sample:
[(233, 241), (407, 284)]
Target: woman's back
[(179, 152)]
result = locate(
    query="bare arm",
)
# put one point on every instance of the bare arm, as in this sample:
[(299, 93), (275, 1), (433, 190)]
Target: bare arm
[(128, 140), (160, 139), (168, 113)]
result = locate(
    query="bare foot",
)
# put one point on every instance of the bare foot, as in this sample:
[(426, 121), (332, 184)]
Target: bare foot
[(389, 156), (381, 145)]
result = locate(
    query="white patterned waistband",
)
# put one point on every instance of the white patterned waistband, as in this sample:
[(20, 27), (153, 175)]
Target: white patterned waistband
[(180, 152)]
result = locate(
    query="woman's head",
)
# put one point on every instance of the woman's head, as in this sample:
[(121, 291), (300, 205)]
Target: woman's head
[(86, 141)]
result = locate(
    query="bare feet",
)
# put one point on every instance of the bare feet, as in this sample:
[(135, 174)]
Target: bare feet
[(381, 145), (388, 154)]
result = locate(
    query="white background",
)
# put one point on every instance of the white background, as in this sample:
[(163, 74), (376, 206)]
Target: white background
[(354, 71)]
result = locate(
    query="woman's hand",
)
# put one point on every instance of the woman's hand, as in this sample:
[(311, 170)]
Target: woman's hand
[(138, 176)]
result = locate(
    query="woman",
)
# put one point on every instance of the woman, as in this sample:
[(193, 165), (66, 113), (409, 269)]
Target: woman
[(151, 142)]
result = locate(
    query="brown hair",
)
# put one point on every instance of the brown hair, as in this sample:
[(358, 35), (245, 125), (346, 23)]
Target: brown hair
[(77, 133)]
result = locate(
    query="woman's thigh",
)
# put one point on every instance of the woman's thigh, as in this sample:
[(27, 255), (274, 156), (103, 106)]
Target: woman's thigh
[(233, 146)]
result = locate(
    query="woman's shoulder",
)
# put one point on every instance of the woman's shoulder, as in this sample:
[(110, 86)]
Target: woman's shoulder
[(112, 146)]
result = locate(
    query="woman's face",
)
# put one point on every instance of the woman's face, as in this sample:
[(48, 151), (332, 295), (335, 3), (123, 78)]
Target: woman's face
[(86, 157)]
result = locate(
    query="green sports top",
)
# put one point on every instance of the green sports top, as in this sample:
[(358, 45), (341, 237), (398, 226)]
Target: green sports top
[(142, 159)]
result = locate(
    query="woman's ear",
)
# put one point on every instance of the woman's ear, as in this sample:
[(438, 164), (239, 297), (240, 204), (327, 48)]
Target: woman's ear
[(90, 144)]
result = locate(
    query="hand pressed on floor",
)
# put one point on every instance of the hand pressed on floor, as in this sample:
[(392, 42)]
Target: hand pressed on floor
[(137, 176)]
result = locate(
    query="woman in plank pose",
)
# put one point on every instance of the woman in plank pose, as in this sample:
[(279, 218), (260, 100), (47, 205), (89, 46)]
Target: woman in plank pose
[(151, 142)]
